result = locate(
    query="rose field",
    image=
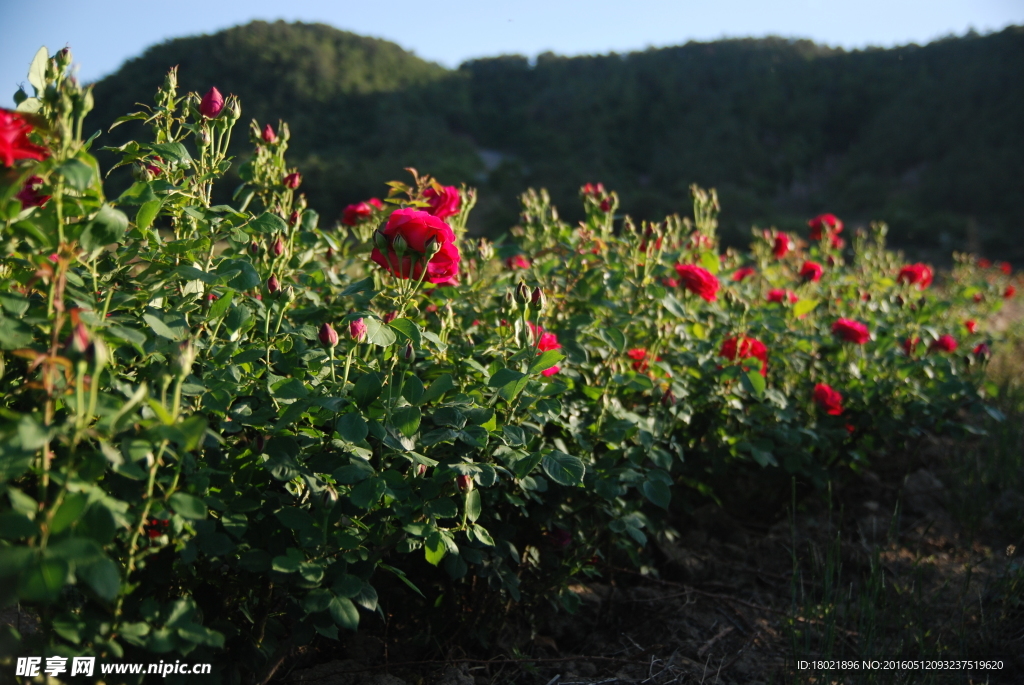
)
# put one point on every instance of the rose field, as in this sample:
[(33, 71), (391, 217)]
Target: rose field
[(376, 448)]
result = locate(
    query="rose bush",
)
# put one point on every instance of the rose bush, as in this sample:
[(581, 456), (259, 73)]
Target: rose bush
[(194, 462)]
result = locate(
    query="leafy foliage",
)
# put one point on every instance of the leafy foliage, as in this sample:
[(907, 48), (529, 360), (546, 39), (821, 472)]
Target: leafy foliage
[(193, 460)]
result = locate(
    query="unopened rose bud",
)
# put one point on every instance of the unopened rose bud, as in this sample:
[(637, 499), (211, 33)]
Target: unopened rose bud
[(329, 497), (293, 218), (390, 316), (273, 285), (278, 248), (211, 104), (409, 353), (380, 241), (268, 134), (510, 300), (522, 293), (80, 339), (232, 108), (668, 399), (399, 245), (465, 483), (171, 80), (537, 298), (432, 247), (293, 180), (204, 138), (289, 292), (329, 254), (421, 469), (328, 336), (186, 357), (261, 442), (357, 329), (254, 248)]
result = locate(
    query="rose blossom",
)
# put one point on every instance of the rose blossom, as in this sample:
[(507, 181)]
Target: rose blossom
[(779, 295), (416, 228), (14, 142), (851, 331), (744, 348), (29, 195), (829, 222), (443, 203), (355, 213), (698, 280), (357, 329), (781, 247), (811, 271), (828, 399), (971, 325), (919, 274), (944, 343), (517, 262), (1009, 292), (740, 274)]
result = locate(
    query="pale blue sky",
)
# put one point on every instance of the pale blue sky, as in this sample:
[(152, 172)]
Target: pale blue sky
[(105, 34)]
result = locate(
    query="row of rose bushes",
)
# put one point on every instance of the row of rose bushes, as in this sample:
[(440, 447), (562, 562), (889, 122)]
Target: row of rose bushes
[(226, 428)]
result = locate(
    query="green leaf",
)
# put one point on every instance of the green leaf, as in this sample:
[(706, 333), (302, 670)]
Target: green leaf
[(368, 388), (614, 337), (710, 261), (188, 506), (295, 518), (162, 329), (69, 511), (406, 420), (37, 70), (408, 330), (657, 492), (147, 213), (107, 227), (546, 361), (43, 581), (473, 505), (563, 468), (352, 427), (358, 287), (14, 335), (481, 534), (77, 173), (139, 194), (220, 305), (505, 376), (755, 383), (14, 526), (378, 332), (439, 387), (173, 152), (443, 508), (102, 576), (803, 307), (268, 223), (434, 548), (344, 613)]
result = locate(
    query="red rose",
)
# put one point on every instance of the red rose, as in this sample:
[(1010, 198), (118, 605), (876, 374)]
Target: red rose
[(919, 274), (829, 222), (639, 357), (592, 189), (670, 282), (944, 343), (781, 248), (828, 399), (443, 203), (837, 242), (851, 331), (212, 104), (982, 350), (698, 280), (548, 341), (328, 336), (740, 274), (779, 295), (14, 142), (984, 263), (971, 325), (29, 195), (910, 344), (355, 213), (1009, 292), (268, 134), (811, 271), (744, 348), (1005, 268), (416, 228), (517, 262), (292, 180)]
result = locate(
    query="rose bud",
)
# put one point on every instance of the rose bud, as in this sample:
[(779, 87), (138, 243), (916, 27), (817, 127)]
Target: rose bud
[(268, 134), (522, 293), (293, 180), (537, 298), (212, 104), (668, 399), (380, 241), (278, 248), (80, 338), (273, 285), (421, 469), (357, 329), (328, 336), (330, 253), (232, 108), (186, 357), (254, 248), (390, 316), (329, 497), (409, 353), (465, 483), (260, 443)]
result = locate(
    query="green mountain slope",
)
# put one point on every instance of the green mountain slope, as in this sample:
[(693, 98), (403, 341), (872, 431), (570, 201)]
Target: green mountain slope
[(927, 138)]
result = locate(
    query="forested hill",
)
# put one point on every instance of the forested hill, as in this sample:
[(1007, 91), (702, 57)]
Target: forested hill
[(927, 138)]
